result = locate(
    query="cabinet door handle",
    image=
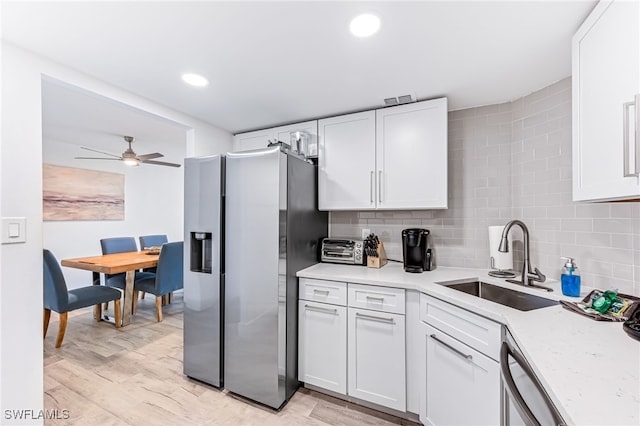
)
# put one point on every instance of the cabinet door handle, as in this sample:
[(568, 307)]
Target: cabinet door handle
[(319, 309), (637, 99), (626, 137), (316, 291), (371, 186), (380, 186), (462, 354), (374, 318), (637, 139)]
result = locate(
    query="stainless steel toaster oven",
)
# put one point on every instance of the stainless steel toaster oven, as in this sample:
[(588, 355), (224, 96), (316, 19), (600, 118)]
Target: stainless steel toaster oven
[(342, 250)]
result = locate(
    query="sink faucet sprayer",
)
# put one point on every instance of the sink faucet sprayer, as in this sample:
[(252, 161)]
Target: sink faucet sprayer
[(527, 276)]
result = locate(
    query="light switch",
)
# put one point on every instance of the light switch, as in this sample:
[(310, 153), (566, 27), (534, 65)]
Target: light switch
[(14, 230)]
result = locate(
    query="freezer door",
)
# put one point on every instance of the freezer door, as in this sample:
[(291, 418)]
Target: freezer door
[(203, 289), (254, 266)]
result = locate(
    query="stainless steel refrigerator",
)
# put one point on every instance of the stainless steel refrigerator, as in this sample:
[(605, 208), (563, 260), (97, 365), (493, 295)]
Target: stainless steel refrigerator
[(273, 229), (204, 268)]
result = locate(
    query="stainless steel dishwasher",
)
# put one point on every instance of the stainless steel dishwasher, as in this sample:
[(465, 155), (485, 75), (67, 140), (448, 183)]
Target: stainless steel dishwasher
[(525, 400)]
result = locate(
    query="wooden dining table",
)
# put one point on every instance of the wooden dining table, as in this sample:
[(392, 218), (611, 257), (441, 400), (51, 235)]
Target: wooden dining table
[(128, 262)]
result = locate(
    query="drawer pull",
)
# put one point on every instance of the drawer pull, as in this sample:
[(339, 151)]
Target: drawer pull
[(374, 318), (315, 290), (379, 299), (319, 309), (462, 354)]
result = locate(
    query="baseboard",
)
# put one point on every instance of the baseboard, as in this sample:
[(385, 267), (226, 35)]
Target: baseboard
[(402, 414)]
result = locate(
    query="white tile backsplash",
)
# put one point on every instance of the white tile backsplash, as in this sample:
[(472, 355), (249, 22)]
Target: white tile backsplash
[(513, 161)]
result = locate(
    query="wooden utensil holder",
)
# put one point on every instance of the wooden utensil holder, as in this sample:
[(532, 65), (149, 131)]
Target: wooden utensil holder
[(380, 261)]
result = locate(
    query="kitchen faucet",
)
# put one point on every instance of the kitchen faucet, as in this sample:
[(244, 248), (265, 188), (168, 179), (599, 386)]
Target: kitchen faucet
[(527, 276)]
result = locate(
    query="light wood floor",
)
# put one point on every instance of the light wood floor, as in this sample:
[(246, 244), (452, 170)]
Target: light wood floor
[(133, 376)]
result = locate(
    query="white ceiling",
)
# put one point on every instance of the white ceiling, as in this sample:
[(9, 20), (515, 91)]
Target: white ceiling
[(74, 116), (272, 63)]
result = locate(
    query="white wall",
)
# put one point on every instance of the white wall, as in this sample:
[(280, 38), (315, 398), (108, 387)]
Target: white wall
[(21, 381), (153, 205)]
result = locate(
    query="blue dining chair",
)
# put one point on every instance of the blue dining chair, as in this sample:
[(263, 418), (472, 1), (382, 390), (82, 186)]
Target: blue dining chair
[(120, 245), (152, 241), (57, 298), (147, 241), (168, 277)]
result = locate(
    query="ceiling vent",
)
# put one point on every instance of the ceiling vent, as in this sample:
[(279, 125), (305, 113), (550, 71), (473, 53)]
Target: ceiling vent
[(391, 101), (404, 99)]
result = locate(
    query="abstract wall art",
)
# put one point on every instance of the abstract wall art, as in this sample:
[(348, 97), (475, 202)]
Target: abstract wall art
[(69, 193)]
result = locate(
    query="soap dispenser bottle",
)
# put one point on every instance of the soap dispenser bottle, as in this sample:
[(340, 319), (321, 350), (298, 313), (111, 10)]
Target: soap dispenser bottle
[(570, 278)]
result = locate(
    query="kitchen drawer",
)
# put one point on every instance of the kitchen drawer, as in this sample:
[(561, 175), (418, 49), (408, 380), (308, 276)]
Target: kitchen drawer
[(385, 299), (334, 292), (474, 330)]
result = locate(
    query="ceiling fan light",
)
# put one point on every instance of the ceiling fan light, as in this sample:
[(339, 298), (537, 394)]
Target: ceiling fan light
[(132, 162)]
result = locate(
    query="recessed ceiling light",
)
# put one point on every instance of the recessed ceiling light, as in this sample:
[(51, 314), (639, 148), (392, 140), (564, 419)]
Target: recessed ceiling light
[(195, 80), (364, 25)]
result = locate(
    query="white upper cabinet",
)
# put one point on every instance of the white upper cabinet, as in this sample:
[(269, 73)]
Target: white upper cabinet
[(392, 158), (252, 140), (347, 162), (606, 103), (283, 133), (411, 148), (260, 138)]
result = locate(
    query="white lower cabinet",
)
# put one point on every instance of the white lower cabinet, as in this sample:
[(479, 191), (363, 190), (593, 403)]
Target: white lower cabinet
[(322, 345), (377, 357), (352, 341), (322, 334), (462, 385)]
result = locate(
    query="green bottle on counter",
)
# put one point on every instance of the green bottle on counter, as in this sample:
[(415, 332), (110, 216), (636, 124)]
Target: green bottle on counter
[(604, 302)]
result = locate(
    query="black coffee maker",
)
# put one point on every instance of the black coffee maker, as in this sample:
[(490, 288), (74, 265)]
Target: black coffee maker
[(416, 250)]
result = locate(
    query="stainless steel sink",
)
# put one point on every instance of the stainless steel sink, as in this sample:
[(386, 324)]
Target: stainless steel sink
[(504, 296)]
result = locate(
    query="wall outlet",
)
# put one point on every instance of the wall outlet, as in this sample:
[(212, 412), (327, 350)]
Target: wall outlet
[(365, 233)]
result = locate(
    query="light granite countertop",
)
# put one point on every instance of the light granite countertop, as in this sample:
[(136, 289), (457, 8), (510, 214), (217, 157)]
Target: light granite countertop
[(590, 369)]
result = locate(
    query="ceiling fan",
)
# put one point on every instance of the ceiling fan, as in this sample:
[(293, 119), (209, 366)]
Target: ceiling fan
[(129, 157)]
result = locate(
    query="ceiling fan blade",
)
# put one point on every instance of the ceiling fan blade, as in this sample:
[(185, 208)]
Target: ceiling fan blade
[(146, 157), (101, 152), (97, 158), (161, 163)]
